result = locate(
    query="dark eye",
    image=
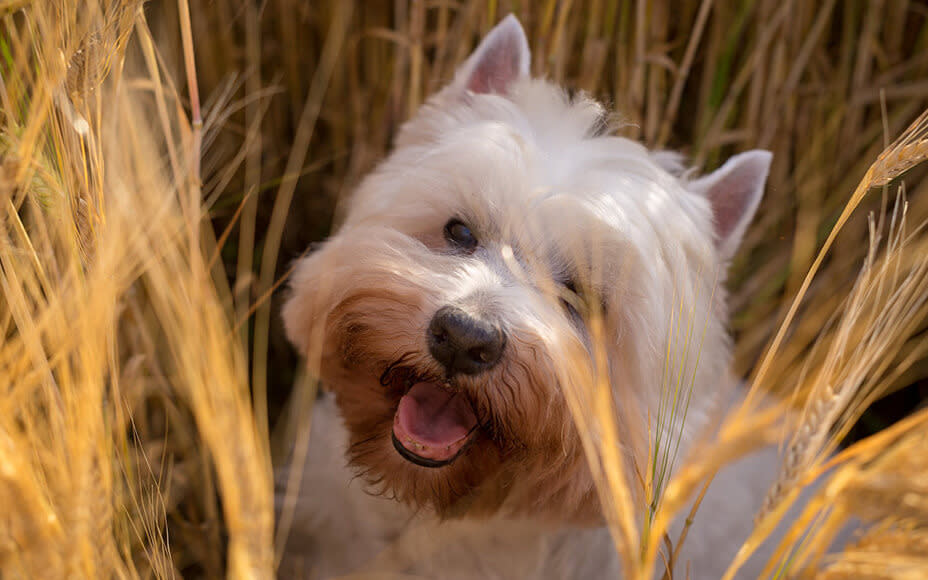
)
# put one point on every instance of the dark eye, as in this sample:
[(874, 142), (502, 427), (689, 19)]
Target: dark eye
[(460, 236), (576, 301), (571, 299)]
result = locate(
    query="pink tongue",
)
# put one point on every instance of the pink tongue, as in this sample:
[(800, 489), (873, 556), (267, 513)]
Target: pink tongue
[(433, 423)]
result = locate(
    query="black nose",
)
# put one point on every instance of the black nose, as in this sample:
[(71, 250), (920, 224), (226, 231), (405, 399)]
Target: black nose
[(464, 344)]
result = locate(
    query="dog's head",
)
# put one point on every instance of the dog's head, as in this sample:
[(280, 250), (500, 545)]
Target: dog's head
[(505, 234)]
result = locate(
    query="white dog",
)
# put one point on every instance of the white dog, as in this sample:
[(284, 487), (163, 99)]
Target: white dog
[(470, 262)]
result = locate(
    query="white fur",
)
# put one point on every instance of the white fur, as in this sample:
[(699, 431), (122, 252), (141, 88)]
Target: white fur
[(340, 529), (524, 167)]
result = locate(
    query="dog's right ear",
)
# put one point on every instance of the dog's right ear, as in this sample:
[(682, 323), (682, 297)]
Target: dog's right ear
[(734, 191), (502, 58)]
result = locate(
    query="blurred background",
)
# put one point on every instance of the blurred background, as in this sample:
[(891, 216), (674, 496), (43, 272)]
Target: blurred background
[(298, 100)]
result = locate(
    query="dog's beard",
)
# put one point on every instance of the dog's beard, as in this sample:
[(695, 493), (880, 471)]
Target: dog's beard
[(500, 441)]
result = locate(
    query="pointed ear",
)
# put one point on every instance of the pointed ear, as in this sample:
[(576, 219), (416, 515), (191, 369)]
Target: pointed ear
[(734, 190), (502, 58)]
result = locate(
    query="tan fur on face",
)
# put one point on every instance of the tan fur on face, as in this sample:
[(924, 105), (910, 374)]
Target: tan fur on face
[(526, 457)]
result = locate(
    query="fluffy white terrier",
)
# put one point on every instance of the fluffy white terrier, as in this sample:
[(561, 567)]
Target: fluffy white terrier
[(469, 265)]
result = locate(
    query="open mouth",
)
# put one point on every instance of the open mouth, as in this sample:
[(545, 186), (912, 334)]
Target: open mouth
[(433, 424)]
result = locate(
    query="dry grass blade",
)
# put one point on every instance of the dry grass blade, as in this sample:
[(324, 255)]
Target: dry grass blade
[(113, 326), (306, 126), (591, 400), (884, 482), (893, 553)]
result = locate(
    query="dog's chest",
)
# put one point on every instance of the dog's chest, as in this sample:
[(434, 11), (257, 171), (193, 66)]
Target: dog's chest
[(338, 529)]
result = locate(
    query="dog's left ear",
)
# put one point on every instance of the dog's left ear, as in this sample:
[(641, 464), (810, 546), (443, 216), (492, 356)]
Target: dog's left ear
[(502, 58), (734, 190)]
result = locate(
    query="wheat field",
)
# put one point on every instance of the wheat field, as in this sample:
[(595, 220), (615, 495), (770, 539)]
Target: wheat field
[(162, 164)]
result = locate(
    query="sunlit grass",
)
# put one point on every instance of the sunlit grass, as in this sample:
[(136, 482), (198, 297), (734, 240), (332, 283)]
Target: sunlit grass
[(141, 245)]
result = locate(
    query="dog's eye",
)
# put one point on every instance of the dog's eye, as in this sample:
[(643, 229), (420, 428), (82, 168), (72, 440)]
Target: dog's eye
[(460, 236), (571, 299), (576, 301)]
